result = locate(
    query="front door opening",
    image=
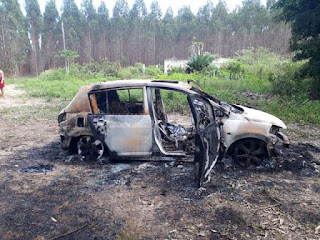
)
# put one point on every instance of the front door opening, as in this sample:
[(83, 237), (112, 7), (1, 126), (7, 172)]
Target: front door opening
[(174, 124)]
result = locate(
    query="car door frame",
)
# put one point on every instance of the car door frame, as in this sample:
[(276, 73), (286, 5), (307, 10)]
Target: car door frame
[(98, 123), (207, 141)]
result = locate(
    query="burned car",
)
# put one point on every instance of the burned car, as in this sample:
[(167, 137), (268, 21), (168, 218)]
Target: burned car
[(128, 119)]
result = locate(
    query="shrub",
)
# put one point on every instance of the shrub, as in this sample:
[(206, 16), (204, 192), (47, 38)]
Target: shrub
[(53, 75), (139, 66), (128, 72), (153, 71), (235, 69), (174, 70), (287, 81), (199, 62)]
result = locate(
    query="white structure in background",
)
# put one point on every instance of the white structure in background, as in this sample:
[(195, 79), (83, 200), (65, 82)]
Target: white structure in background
[(219, 61), (172, 62)]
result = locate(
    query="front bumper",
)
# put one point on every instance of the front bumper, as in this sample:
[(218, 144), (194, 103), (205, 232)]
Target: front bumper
[(273, 140)]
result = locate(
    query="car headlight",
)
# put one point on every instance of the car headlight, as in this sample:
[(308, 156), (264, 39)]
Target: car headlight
[(274, 129), (62, 117)]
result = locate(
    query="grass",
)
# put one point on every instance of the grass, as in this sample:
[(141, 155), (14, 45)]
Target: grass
[(48, 111), (295, 109)]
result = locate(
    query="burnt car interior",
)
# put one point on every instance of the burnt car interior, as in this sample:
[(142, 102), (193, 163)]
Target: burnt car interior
[(118, 102), (173, 136)]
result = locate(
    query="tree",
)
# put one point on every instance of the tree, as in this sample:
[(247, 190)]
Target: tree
[(154, 19), (34, 26), (14, 42), (69, 56), (72, 19), (120, 24), (51, 35), (91, 28), (304, 18), (103, 26)]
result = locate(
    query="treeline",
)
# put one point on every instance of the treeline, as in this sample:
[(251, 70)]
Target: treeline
[(29, 44)]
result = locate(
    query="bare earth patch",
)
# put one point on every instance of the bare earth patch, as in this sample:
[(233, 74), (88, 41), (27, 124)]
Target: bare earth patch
[(144, 200)]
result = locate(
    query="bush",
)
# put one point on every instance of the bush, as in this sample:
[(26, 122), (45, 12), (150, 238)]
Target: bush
[(139, 66), (259, 62), (53, 75), (174, 70), (199, 62), (128, 72), (286, 82), (153, 71), (235, 68)]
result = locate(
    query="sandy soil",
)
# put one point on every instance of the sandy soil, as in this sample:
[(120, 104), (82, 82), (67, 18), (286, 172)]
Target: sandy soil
[(143, 200)]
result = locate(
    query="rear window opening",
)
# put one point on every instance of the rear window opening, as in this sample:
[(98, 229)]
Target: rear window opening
[(118, 102)]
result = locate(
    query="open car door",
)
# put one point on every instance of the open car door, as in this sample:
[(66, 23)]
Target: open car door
[(207, 137)]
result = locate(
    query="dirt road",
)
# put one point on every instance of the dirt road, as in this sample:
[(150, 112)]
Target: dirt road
[(72, 199)]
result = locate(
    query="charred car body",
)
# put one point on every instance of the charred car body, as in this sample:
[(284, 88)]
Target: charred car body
[(127, 118)]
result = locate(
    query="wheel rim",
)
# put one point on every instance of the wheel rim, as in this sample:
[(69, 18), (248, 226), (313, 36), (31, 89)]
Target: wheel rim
[(249, 152), (90, 149)]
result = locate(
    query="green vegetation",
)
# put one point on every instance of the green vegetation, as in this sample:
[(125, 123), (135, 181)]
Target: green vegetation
[(304, 19), (199, 62), (259, 79)]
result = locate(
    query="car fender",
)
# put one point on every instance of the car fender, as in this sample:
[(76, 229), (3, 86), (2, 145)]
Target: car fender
[(245, 136)]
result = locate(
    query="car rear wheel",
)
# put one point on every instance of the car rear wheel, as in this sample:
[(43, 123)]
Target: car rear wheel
[(249, 152), (89, 148)]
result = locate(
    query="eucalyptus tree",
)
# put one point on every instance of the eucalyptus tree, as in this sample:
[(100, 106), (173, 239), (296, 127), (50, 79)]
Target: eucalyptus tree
[(34, 19), (120, 27), (73, 25), (51, 35), (14, 42), (90, 26), (154, 19), (138, 32), (103, 33)]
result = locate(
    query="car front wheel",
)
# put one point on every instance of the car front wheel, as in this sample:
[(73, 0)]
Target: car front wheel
[(249, 152)]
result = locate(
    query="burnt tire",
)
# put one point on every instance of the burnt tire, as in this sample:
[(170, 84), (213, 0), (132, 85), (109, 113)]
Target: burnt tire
[(249, 152), (90, 149)]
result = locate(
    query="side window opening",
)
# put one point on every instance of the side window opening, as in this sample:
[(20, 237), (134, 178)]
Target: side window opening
[(118, 102)]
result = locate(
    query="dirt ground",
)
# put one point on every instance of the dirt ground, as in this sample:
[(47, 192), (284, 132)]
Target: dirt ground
[(147, 200)]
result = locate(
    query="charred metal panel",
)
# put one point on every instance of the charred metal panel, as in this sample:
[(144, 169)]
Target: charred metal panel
[(208, 136), (124, 135)]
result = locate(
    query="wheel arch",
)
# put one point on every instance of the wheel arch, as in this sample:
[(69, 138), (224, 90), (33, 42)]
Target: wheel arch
[(242, 137)]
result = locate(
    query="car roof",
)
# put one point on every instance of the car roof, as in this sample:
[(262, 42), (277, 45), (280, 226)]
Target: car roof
[(141, 83)]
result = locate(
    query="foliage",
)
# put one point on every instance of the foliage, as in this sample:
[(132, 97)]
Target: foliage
[(34, 20), (174, 70), (304, 18), (287, 82), (235, 68), (69, 56), (130, 34), (153, 71), (129, 72), (14, 42), (281, 91), (199, 61), (51, 34), (53, 75)]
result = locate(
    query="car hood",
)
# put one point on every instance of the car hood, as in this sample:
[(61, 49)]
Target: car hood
[(260, 116)]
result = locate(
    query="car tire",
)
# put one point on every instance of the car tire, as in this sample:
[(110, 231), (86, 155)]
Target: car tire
[(249, 152), (90, 148)]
